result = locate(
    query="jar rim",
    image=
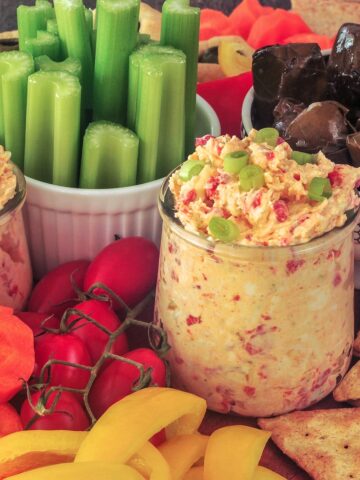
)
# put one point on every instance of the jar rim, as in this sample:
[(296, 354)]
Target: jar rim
[(18, 199), (230, 249)]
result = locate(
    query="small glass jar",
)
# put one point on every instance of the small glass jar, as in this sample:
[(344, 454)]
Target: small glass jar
[(15, 266), (258, 331)]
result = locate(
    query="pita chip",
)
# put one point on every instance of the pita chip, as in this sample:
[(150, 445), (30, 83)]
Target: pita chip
[(325, 443), (348, 389), (356, 346)]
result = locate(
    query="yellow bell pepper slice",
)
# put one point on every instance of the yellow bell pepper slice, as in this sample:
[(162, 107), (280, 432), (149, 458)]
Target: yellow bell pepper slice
[(195, 473), (150, 463), (26, 450), (127, 425), (81, 471), (234, 452), (183, 452), (263, 473)]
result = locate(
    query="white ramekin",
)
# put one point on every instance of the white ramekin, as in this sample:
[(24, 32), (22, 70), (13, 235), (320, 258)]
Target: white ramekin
[(65, 224)]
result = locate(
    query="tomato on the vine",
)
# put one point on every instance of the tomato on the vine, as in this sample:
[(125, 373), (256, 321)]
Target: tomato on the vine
[(68, 348), (38, 321), (128, 267), (67, 415), (92, 336), (118, 378)]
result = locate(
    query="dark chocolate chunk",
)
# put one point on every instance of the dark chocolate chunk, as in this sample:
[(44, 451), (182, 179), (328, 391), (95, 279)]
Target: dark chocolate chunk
[(344, 69), (285, 112), (295, 71)]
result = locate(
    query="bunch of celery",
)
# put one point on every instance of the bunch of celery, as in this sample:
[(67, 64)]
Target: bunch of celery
[(180, 28), (156, 108), (32, 19)]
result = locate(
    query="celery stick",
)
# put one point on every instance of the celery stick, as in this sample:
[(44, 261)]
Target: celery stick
[(45, 43), (75, 40), (117, 35), (32, 19), (15, 68), (52, 128), (89, 21), (156, 107), (70, 65), (110, 155), (52, 26), (180, 29)]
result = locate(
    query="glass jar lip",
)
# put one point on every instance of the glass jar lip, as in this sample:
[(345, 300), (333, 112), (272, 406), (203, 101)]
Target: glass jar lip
[(20, 194), (231, 249)]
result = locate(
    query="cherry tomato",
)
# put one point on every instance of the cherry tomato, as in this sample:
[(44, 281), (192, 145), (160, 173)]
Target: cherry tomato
[(37, 321), (10, 421), (94, 338), (128, 267), (117, 379), (55, 293), (68, 414), (66, 347)]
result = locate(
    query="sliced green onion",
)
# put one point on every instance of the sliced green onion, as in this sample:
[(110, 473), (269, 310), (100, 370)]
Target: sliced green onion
[(15, 68), (235, 161), (156, 108), (190, 169), (319, 189), (70, 65), (45, 43), (302, 158), (110, 155), (32, 19), (251, 176), (116, 38), (223, 229), (52, 26), (180, 29), (267, 135), (53, 128), (75, 40)]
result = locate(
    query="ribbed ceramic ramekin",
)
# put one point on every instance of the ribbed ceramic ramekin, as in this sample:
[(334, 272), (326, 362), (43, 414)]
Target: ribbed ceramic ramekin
[(65, 224)]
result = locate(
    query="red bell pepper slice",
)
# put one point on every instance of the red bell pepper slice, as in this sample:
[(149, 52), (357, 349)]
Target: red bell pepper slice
[(324, 41), (276, 27), (226, 96)]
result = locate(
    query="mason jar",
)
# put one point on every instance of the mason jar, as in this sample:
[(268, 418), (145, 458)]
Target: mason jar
[(15, 266), (258, 331)]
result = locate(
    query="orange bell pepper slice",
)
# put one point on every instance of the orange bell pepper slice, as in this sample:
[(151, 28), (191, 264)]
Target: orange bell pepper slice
[(244, 16)]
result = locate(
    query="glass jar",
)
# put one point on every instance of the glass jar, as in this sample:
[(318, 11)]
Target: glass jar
[(15, 270), (257, 331)]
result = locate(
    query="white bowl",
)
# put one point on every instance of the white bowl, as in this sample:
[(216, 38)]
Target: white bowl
[(65, 224)]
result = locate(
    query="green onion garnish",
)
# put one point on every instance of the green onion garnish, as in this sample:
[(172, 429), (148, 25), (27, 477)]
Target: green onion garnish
[(110, 155), (45, 43), (156, 109), (223, 229), (267, 135), (75, 40), (319, 189), (302, 158), (190, 169), (235, 161), (180, 28), (251, 176), (53, 128), (116, 38), (15, 68)]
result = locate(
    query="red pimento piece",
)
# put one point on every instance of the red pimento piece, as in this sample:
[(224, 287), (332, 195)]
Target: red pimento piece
[(257, 200), (236, 298), (249, 391), (190, 197), (297, 177), (337, 279), (265, 317), (211, 186), (225, 213), (191, 320), (252, 350), (281, 211), (279, 141), (202, 141), (270, 155), (219, 149), (293, 265), (335, 178)]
